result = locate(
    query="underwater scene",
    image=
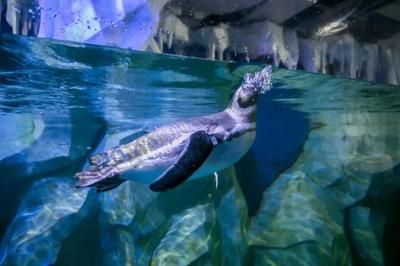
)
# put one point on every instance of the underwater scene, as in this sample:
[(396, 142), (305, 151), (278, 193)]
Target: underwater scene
[(319, 186)]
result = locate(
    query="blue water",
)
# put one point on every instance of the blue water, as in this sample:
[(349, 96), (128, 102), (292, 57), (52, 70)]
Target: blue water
[(319, 186)]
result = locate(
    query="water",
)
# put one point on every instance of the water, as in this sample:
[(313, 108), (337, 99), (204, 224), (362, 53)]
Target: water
[(319, 187)]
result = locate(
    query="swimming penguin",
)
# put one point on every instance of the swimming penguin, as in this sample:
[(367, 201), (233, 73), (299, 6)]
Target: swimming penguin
[(194, 147)]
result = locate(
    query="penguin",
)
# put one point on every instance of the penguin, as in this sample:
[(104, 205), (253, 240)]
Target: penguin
[(190, 148)]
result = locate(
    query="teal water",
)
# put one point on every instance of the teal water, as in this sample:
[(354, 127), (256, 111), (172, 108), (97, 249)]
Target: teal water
[(320, 186)]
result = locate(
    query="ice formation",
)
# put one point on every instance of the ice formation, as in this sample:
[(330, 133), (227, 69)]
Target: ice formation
[(49, 212), (21, 15), (172, 32), (126, 24), (214, 39)]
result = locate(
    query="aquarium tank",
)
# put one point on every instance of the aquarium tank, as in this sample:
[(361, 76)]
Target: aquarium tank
[(93, 88)]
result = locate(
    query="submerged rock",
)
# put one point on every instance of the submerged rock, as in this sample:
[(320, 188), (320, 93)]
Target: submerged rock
[(48, 213), (47, 153), (58, 146), (117, 243), (366, 243), (232, 220), (187, 238), (18, 132), (118, 204), (350, 148), (297, 220), (131, 223), (58, 143)]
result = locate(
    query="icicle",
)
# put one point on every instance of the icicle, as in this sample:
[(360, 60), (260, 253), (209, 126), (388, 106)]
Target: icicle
[(220, 34), (172, 31), (292, 46), (211, 51), (13, 15), (20, 13), (220, 53), (153, 46), (161, 40), (170, 39), (390, 59), (247, 54), (371, 63), (25, 22)]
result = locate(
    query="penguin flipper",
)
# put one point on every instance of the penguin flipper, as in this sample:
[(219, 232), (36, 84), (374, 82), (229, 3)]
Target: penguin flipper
[(197, 149)]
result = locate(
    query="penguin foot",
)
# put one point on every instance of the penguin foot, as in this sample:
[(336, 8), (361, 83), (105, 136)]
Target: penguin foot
[(96, 175)]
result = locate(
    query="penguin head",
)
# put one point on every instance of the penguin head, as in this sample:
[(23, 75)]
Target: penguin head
[(253, 85)]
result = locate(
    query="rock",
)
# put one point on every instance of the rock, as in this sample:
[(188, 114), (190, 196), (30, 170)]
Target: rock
[(49, 152), (117, 243), (60, 144), (346, 148), (46, 154), (366, 243), (18, 132), (306, 253), (132, 205), (51, 142), (232, 219), (48, 213), (298, 216), (152, 226), (187, 238), (119, 204)]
